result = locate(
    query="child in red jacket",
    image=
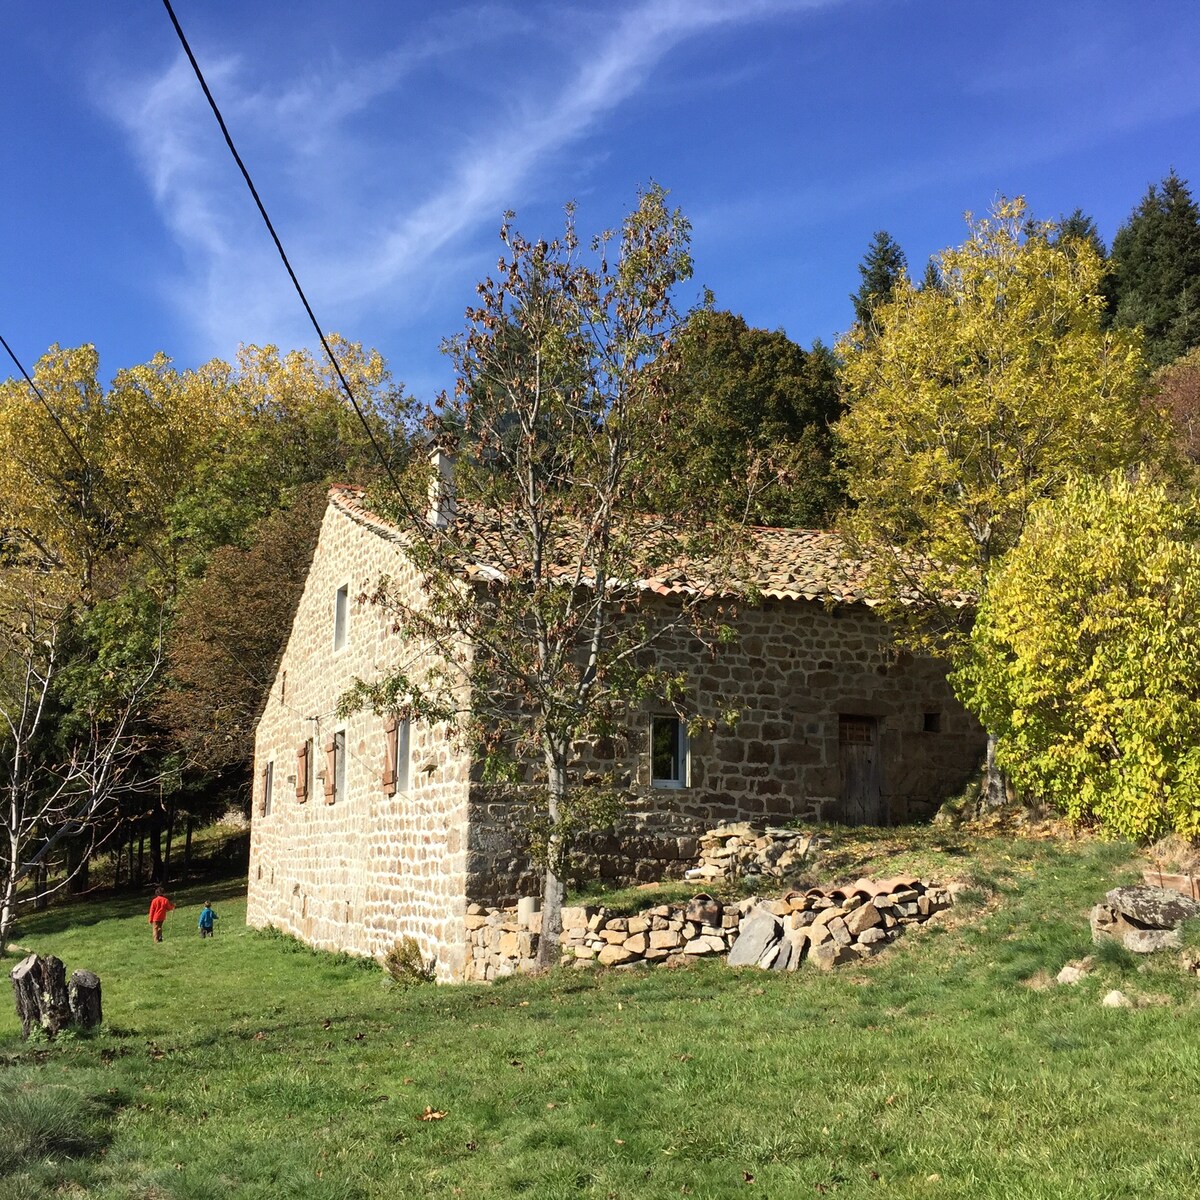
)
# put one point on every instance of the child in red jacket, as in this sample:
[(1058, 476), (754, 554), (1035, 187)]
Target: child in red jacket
[(159, 907)]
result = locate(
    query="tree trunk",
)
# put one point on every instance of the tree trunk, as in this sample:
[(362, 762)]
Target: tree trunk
[(141, 868), (40, 899), (187, 845), (8, 905), (83, 993), (157, 874), (548, 952), (40, 992), (995, 791), (169, 838), (77, 867)]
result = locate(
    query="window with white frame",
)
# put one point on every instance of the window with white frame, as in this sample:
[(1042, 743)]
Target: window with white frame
[(669, 758), (341, 616)]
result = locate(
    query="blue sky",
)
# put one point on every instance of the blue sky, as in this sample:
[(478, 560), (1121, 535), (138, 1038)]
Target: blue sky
[(387, 138)]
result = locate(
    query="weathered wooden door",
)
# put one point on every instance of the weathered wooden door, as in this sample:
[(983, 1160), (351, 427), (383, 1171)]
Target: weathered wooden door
[(862, 770)]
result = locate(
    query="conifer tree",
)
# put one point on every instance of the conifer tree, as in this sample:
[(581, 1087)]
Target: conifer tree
[(1156, 271), (882, 267)]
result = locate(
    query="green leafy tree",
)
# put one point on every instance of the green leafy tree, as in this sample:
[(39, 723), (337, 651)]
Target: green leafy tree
[(1156, 271), (747, 421), (1085, 658), (229, 632), (560, 378)]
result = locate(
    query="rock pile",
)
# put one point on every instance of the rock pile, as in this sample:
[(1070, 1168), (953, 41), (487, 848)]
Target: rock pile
[(822, 927), (1143, 919), (680, 932), (738, 849), (841, 925)]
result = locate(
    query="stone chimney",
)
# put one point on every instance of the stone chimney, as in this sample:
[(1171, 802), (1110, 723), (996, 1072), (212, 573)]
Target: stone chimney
[(442, 503)]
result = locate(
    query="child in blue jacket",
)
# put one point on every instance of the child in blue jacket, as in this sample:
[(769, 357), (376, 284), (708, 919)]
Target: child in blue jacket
[(207, 917)]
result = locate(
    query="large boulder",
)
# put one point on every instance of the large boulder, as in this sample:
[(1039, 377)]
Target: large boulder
[(757, 934), (1152, 907)]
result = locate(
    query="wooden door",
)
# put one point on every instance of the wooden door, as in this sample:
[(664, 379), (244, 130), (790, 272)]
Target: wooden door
[(862, 770)]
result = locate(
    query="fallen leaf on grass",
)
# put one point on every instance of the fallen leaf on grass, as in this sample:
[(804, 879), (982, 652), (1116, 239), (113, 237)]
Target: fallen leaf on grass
[(747, 1177), (432, 1114)]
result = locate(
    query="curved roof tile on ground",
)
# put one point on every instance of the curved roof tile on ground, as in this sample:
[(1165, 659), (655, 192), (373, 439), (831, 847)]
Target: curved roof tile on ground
[(781, 564)]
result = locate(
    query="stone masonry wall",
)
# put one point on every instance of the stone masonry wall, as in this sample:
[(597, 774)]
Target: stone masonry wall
[(793, 671), (357, 874)]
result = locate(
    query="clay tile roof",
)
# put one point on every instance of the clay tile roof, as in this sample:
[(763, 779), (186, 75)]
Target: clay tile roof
[(781, 564)]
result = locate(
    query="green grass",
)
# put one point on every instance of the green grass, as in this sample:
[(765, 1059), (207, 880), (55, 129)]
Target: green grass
[(248, 1066)]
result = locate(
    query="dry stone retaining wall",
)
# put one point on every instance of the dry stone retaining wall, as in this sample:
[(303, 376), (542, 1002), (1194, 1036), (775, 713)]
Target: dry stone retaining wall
[(823, 928)]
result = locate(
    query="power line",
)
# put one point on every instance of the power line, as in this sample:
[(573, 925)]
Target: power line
[(237, 158), (87, 466)]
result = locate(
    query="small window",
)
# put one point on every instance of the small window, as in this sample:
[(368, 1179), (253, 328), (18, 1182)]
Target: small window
[(933, 722), (341, 616), (268, 782), (396, 737), (668, 753)]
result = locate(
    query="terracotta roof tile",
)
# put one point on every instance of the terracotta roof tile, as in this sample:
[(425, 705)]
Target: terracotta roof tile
[(782, 564)]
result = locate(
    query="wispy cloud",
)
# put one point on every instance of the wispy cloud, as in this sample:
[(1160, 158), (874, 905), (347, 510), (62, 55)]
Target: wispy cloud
[(309, 135)]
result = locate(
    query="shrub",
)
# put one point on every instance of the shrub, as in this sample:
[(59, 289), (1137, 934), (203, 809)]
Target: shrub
[(405, 963)]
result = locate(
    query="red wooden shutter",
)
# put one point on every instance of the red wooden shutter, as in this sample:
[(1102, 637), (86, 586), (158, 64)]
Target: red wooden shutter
[(330, 771), (302, 772), (389, 756)]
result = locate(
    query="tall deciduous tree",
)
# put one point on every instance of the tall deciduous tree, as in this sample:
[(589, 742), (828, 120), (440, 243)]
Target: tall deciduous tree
[(1086, 658), (560, 375), (1175, 389), (747, 421), (1156, 271), (978, 399), (981, 396)]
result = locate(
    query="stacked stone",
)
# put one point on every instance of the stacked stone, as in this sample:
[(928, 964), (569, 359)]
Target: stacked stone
[(500, 941), (700, 929), (843, 925), (822, 928), (1143, 919), (738, 849)]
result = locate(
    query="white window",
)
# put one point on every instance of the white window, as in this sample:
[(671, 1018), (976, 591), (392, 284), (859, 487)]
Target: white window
[(268, 783), (341, 616), (669, 765)]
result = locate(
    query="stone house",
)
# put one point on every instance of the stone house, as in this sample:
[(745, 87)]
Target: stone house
[(367, 830)]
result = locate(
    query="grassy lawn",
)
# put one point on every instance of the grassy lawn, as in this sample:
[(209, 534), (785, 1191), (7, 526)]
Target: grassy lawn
[(247, 1066)]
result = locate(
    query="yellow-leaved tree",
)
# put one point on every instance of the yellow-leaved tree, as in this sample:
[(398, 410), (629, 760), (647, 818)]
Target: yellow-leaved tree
[(1085, 658), (972, 398)]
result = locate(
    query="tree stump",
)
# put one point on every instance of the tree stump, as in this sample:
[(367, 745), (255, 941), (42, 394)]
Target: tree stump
[(40, 991), (84, 996), (26, 979)]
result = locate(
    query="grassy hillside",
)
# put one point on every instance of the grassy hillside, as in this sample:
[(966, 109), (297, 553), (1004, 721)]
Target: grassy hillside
[(248, 1066)]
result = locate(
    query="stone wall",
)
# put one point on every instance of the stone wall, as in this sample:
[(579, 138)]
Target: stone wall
[(818, 927), (369, 868), (794, 671)]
